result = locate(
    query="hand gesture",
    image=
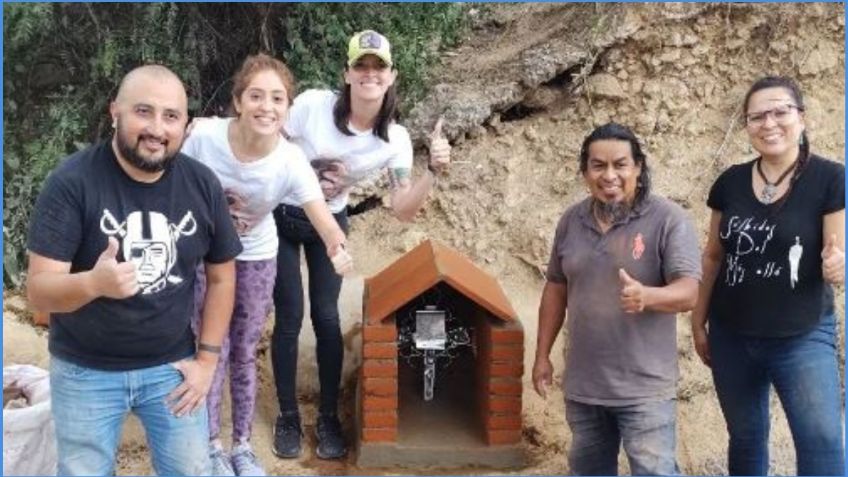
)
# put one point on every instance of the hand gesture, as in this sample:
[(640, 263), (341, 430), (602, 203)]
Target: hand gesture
[(833, 262), (440, 149), (702, 347), (113, 279), (632, 295), (342, 261), (543, 376), (191, 393)]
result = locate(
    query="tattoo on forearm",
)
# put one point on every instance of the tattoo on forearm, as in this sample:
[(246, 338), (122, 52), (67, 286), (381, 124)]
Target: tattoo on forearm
[(397, 176)]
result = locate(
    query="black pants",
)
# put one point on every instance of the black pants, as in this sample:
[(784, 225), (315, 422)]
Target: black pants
[(294, 230)]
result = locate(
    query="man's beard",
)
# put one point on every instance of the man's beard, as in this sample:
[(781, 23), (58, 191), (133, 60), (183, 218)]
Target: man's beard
[(131, 154), (611, 213)]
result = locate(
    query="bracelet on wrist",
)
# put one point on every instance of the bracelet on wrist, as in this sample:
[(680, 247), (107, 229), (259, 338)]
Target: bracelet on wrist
[(209, 348)]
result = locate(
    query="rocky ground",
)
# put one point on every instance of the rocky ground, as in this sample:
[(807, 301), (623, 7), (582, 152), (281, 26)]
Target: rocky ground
[(518, 96)]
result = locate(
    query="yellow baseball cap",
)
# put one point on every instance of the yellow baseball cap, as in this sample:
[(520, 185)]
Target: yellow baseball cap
[(369, 42)]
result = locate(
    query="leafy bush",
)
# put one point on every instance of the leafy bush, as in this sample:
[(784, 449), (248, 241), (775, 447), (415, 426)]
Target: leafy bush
[(63, 61)]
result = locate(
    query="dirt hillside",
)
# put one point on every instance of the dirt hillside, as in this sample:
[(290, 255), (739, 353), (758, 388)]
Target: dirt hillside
[(518, 96)]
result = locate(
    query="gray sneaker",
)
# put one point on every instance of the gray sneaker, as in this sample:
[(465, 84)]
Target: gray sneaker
[(220, 461), (245, 461)]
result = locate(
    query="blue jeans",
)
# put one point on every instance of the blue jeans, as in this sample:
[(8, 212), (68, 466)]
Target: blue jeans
[(646, 430), (89, 409), (804, 373), (295, 231)]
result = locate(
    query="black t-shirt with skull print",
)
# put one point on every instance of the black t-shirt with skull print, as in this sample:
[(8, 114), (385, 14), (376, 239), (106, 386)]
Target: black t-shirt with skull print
[(166, 228), (770, 281)]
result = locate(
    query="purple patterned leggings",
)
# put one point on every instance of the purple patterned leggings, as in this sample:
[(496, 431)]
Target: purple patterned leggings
[(254, 287)]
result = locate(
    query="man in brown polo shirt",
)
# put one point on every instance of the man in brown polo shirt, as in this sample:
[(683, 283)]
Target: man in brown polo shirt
[(623, 263)]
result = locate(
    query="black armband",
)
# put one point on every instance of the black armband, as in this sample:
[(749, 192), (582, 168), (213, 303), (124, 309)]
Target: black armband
[(208, 348)]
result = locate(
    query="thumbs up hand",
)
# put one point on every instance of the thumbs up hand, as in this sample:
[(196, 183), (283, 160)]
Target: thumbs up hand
[(440, 148), (112, 279), (833, 261), (632, 296)]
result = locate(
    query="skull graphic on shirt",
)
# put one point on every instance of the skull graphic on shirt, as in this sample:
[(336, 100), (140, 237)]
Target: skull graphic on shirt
[(149, 241)]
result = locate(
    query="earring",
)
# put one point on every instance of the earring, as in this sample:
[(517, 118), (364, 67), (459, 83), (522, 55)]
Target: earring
[(801, 140)]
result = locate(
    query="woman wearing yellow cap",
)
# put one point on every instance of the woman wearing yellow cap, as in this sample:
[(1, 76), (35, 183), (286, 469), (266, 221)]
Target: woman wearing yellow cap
[(348, 137)]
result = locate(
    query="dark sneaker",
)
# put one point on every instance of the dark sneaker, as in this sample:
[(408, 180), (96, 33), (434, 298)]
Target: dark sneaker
[(331, 444), (287, 435)]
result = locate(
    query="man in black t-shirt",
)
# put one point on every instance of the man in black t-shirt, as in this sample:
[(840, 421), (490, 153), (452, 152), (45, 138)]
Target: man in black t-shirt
[(114, 241)]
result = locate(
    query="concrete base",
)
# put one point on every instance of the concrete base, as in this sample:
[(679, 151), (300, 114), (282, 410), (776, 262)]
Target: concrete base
[(440, 457), (443, 433)]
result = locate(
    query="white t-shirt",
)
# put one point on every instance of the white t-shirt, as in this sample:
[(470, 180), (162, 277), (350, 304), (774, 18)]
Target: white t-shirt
[(341, 161), (253, 189)]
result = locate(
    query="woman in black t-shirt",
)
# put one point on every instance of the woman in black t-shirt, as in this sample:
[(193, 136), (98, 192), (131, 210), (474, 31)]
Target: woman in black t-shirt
[(765, 314)]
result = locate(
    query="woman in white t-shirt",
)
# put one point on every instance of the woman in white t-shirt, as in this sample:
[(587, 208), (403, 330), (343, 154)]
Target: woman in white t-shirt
[(258, 168), (348, 137)]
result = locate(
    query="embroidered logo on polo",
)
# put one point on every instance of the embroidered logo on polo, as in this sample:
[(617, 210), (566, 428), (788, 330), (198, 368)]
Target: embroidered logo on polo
[(149, 241), (638, 246)]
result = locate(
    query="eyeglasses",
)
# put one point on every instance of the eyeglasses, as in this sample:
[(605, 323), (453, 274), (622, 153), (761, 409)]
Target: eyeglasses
[(782, 115)]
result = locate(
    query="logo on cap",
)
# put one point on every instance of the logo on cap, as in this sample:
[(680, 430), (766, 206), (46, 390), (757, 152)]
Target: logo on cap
[(369, 40)]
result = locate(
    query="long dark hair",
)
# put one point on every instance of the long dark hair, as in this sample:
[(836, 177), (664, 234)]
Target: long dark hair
[(794, 90), (388, 112), (620, 133)]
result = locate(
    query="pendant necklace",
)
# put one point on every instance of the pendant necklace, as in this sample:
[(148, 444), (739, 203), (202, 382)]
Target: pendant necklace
[(770, 190)]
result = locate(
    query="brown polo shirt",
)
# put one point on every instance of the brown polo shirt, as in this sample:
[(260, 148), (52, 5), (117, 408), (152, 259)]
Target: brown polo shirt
[(615, 358)]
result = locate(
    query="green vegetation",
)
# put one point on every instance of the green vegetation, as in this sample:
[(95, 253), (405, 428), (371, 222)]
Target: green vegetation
[(63, 61)]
